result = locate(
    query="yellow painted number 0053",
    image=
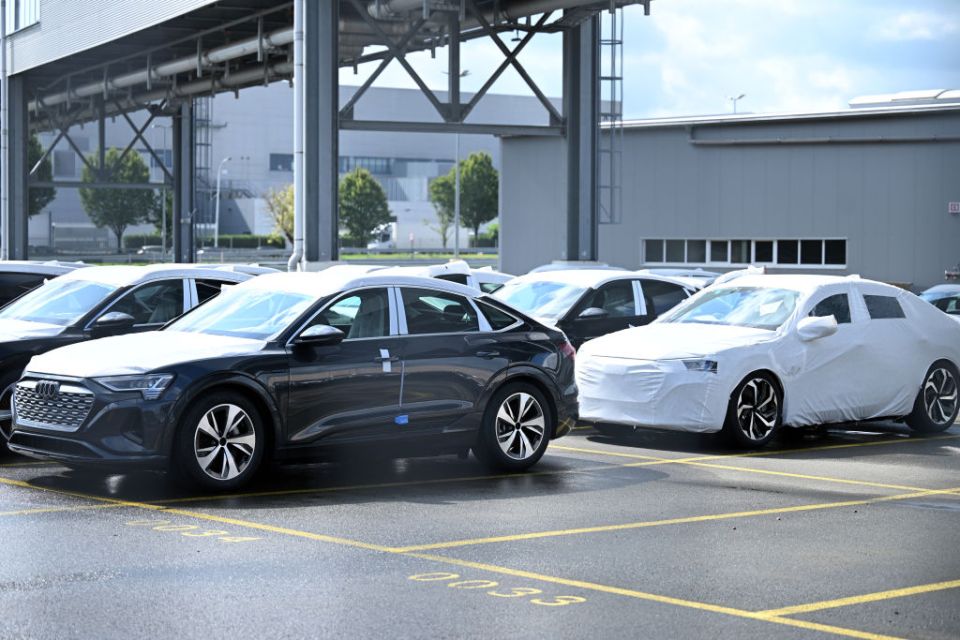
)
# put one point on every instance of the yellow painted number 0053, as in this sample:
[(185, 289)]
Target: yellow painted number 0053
[(491, 587)]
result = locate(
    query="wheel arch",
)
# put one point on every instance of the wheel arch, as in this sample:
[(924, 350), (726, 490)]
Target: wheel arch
[(533, 378), (776, 380)]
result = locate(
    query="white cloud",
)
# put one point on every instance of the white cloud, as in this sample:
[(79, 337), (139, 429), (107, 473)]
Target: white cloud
[(914, 25)]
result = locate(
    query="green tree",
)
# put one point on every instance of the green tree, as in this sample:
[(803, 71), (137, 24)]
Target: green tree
[(40, 197), (442, 198), (363, 206), (280, 206), (118, 209), (479, 191)]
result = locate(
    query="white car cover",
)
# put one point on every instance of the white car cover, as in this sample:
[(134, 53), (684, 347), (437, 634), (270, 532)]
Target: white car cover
[(869, 368)]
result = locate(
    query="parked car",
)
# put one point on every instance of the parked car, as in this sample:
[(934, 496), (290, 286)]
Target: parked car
[(20, 276), (576, 265), (945, 297), (96, 302), (294, 366), (764, 352), (484, 279), (588, 303), (700, 274)]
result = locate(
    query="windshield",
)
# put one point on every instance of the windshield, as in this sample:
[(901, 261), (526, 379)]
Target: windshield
[(540, 298), (58, 302), (740, 307), (245, 313)]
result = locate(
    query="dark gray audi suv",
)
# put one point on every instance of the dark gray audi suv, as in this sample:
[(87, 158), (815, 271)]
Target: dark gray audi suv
[(297, 366)]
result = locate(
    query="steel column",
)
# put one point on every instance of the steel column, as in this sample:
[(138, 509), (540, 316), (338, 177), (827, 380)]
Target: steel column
[(184, 187), (581, 104), (16, 169)]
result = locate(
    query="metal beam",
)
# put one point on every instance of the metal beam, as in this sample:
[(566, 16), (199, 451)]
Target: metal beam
[(78, 184), (581, 103), (183, 184), (452, 127), (321, 131)]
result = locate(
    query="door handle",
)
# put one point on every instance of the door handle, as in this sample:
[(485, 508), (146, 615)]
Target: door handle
[(487, 354)]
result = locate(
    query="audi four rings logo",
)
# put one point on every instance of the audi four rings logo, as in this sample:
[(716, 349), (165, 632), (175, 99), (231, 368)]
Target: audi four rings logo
[(48, 389)]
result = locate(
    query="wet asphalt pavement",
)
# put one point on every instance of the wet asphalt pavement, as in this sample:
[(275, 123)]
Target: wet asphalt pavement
[(650, 535)]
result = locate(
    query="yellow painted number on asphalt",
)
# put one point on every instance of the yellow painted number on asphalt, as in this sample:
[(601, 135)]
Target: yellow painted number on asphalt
[(504, 592), (189, 530)]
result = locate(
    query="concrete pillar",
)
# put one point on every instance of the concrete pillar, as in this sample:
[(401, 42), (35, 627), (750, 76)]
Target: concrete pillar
[(581, 107), (16, 161), (184, 188), (321, 127)]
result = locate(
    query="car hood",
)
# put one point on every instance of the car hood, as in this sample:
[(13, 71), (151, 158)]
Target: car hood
[(672, 341), (138, 353), (13, 330)]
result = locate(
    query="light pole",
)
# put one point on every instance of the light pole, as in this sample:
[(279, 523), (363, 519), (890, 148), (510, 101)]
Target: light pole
[(163, 195), (734, 100), (216, 215), (456, 188)]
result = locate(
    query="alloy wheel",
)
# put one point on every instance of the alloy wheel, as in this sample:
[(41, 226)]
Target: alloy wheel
[(757, 409), (224, 442), (940, 396), (520, 425)]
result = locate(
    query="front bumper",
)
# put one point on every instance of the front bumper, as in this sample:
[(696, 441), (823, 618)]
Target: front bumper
[(648, 393), (120, 430)]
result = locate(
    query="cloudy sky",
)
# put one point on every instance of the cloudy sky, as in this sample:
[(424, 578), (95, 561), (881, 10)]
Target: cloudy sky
[(689, 56)]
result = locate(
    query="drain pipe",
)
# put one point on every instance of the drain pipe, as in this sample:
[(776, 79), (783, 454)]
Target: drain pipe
[(296, 259), (4, 144)]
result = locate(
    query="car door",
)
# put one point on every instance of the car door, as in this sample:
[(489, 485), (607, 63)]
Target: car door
[(449, 355), (891, 348), (610, 307), (153, 304), (660, 297), (350, 390), (820, 392)]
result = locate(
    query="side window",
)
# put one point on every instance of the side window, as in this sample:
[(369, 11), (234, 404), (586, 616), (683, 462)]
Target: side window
[(616, 298), (498, 319), (836, 305), (207, 289), (437, 312), (459, 278), (14, 285), (361, 314), (883, 307), (490, 287), (155, 303), (662, 296)]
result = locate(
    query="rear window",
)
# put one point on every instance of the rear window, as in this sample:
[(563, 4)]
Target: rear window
[(883, 307), (498, 319), (14, 285)]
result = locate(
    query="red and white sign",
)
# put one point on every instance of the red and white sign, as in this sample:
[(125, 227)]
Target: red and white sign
[(953, 207)]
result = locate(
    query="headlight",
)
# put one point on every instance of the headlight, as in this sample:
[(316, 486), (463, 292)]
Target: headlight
[(705, 366), (151, 385)]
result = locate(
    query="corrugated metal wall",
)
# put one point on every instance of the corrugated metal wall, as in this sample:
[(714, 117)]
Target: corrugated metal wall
[(69, 26), (888, 200)]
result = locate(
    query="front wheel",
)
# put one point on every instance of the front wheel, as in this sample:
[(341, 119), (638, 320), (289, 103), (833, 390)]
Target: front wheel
[(516, 428), (220, 442), (755, 411), (935, 408)]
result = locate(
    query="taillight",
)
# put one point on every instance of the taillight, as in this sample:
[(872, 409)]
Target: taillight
[(567, 350)]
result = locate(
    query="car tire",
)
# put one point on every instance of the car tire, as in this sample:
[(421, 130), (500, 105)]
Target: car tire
[(517, 425), (219, 443), (936, 406), (755, 412)]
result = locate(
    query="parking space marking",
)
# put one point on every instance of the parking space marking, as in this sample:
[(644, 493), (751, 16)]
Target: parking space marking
[(652, 597), (672, 521), (38, 510), (863, 599), (703, 606)]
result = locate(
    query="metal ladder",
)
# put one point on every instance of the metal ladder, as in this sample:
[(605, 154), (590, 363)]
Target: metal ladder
[(610, 142)]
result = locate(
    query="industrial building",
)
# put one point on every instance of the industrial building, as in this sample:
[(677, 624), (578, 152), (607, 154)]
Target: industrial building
[(873, 191)]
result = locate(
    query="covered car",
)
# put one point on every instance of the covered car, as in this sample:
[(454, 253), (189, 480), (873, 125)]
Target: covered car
[(763, 352)]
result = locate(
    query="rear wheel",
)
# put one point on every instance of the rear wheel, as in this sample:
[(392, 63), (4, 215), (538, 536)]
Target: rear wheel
[(220, 442), (755, 411), (936, 406), (516, 428)]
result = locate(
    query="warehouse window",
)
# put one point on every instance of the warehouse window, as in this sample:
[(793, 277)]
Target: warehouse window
[(22, 14), (798, 252), (281, 162)]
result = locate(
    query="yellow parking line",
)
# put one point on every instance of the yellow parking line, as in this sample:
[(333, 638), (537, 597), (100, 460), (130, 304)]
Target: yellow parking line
[(869, 597), (670, 521), (703, 606), (652, 597), (36, 510)]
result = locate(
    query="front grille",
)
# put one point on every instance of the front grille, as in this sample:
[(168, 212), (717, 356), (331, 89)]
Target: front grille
[(67, 408)]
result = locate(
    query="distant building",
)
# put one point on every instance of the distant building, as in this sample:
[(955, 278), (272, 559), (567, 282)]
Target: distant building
[(873, 191)]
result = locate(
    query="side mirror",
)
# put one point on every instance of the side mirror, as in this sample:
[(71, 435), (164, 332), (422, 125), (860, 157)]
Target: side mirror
[(813, 328), (592, 313), (113, 322), (320, 335)]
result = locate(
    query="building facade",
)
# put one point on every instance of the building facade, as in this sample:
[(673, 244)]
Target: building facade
[(865, 191)]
